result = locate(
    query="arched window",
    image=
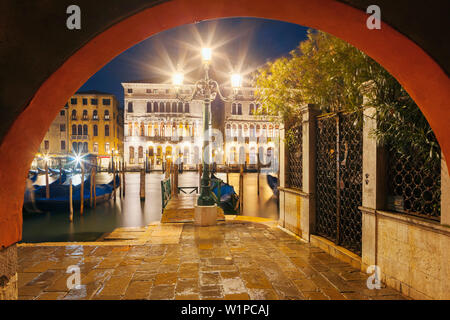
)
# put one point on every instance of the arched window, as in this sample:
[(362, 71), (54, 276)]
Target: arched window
[(142, 130), (74, 114), (156, 130), (107, 147), (168, 107), (80, 147), (155, 106), (95, 115), (233, 108), (264, 130), (228, 130), (130, 107), (252, 109), (161, 107), (239, 108), (130, 129), (245, 130), (74, 147), (85, 130), (149, 130), (106, 114), (85, 147), (180, 107), (234, 131), (131, 154), (252, 130), (95, 148), (85, 114), (140, 152), (186, 107), (80, 130), (174, 129), (74, 130), (106, 130), (162, 129), (149, 107), (240, 130), (95, 130), (258, 130), (174, 107)]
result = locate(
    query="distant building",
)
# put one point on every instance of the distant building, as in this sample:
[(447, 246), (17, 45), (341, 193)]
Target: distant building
[(56, 141), (96, 125), (249, 133), (90, 122), (159, 127)]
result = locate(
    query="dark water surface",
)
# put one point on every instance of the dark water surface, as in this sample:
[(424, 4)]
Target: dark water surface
[(131, 212)]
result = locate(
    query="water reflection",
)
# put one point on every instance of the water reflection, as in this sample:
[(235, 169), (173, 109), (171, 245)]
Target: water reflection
[(131, 212)]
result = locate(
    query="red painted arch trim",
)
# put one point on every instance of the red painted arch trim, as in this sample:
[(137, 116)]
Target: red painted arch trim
[(421, 76)]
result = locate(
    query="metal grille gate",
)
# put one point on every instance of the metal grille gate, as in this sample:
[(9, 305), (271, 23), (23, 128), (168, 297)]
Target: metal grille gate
[(294, 160), (339, 180)]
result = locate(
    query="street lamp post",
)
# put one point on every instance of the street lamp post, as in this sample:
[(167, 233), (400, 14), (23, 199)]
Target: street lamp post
[(208, 89)]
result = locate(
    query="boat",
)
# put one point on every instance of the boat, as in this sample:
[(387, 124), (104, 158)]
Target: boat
[(225, 196), (59, 193), (273, 184)]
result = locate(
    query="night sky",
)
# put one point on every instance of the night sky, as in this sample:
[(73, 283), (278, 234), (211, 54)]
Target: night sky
[(239, 44)]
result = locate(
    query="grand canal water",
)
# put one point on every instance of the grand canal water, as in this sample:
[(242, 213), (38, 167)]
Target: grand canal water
[(131, 212)]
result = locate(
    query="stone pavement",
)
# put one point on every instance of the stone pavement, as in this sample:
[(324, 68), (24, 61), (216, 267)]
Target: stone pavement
[(236, 259), (181, 208)]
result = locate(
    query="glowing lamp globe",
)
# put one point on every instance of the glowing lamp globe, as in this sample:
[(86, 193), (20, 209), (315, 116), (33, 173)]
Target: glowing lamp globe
[(236, 80), (206, 54), (177, 79)]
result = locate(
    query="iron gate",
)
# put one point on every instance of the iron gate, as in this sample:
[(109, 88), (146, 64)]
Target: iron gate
[(339, 180)]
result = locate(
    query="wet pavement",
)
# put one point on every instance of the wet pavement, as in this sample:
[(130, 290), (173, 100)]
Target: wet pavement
[(237, 259)]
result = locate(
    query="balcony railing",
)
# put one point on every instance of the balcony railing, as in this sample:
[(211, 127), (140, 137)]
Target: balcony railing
[(79, 137), (107, 117)]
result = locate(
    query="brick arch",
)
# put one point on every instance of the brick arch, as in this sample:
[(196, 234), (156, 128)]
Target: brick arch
[(421, 76)]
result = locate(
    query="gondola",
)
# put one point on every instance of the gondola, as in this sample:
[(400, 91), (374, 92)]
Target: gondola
[(273, 184), (229, 200), (59, 193)]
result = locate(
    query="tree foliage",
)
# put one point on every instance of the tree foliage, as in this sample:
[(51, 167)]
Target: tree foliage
[(333, 75)]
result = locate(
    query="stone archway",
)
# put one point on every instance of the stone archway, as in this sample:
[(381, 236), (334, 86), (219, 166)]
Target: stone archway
[(422, 77)]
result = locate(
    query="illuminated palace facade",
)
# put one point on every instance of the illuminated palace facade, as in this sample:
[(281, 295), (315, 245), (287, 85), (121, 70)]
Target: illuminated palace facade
[(158, 127), (249, 134)]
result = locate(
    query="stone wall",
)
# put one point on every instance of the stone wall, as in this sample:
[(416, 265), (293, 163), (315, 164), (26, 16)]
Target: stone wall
[(8, 273), (413, 254)]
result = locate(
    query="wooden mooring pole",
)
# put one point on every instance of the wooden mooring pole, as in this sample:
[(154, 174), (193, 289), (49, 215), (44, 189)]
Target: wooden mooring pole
[(228, 169), (70, 200), (82, 190), (123, 179), (142, 186), (241, 189), (94, 190), (114, 182), (259, 170), (47, 186), (200, 168), (91, 184)]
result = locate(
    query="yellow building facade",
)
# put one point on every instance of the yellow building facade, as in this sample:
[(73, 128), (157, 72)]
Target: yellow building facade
[(95, 126)]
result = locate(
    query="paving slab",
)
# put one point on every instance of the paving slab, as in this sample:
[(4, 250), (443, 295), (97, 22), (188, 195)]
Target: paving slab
[(236, 259)]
